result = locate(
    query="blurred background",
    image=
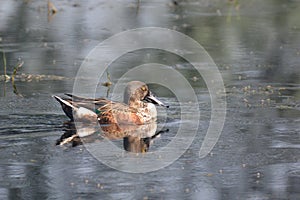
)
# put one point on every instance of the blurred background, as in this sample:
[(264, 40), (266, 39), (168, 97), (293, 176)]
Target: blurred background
[(256, 46)]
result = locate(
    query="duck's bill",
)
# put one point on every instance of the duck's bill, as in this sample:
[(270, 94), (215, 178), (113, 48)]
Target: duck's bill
[(151, 98)]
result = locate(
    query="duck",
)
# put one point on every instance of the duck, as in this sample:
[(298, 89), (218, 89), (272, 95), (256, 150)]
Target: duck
[(138, 108)]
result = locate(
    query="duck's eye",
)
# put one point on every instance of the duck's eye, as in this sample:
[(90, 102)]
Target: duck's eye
[(144, 88)]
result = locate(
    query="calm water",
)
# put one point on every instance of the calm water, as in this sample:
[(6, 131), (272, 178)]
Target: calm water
[(256, 46)]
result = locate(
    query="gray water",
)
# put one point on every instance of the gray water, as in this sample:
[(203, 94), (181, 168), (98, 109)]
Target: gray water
[(256, 46)]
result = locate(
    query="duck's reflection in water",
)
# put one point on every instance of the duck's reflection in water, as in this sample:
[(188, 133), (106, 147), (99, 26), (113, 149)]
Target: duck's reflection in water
[(136, 138)]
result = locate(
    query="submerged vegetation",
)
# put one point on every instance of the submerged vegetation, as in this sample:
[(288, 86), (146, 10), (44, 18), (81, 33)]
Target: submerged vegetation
[(7, 78), (14, 77)]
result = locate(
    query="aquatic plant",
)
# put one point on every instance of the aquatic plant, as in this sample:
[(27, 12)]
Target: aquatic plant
[(6, 78)]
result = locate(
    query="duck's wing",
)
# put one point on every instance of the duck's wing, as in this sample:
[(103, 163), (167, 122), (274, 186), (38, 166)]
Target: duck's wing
[(83, 108), (118, 113), (78, 98), (88, 102)]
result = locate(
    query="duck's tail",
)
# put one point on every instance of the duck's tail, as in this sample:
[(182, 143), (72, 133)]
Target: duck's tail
[(66, 106), (64, 102), (72, 108)]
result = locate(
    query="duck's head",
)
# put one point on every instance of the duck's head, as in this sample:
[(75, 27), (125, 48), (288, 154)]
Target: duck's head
[(137, 91)]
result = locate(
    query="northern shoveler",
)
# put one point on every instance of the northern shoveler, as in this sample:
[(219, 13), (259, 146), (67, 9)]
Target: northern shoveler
[(138, 107)]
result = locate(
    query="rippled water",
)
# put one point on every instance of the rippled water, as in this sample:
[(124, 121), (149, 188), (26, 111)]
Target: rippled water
[(255, 45)]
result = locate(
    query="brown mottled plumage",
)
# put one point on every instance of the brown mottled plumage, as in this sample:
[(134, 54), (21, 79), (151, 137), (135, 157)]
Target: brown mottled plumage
[(133, 111), (132, 120)]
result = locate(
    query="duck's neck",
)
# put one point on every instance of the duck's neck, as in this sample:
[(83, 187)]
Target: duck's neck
[(136, 104)]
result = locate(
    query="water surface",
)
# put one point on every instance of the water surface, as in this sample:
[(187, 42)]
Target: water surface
[(255, 45)]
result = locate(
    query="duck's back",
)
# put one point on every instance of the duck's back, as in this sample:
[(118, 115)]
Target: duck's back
[(118, 113)]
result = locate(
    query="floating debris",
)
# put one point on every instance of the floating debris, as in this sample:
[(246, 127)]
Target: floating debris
[(14, 77), (258, 175), (33, 77), (107, 83), (195, 78), (52, 10)]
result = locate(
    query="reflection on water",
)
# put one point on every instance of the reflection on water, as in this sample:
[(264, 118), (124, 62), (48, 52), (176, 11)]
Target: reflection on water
[(136, 138), (254, 43)]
